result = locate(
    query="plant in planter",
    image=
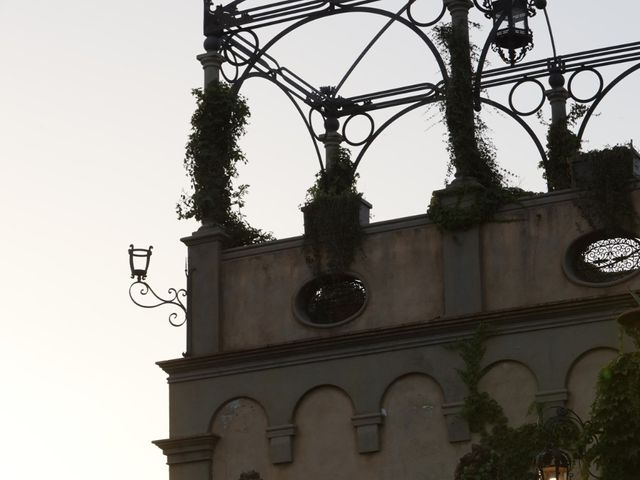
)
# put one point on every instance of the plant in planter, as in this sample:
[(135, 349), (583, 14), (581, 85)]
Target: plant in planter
[(212, 155), (332, 217)]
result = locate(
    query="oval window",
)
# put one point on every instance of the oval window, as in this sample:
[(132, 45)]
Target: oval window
[(603, 258), (331, 300)]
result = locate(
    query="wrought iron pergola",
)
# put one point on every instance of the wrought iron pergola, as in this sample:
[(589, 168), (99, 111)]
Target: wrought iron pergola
[(238, 38)]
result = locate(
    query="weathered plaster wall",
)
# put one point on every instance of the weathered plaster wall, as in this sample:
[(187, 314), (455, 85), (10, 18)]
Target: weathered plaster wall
[(411, 271), (414, 435), (402, 270)]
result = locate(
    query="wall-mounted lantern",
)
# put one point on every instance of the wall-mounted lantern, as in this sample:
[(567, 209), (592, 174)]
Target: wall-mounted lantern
[(139, 259)]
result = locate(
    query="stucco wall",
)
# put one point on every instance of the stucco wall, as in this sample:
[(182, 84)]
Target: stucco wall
[(401, 268), (407, 269), (415, 441)]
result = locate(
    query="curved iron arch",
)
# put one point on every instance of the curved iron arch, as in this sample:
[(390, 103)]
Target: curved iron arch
[(601, 96), (374, 11), (389, 122), (523, 124), (302, 115)]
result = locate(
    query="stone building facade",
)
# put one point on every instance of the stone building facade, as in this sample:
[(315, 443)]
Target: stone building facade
[(378, 396)]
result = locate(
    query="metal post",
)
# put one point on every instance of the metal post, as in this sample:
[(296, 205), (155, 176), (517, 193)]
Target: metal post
[(211, 63), (331, 140), (557, 97)]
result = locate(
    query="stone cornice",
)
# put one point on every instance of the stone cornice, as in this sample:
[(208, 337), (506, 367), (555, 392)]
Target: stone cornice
[(434, 332), (191, 449)]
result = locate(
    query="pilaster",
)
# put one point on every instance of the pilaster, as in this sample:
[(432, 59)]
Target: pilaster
[(203, 322)]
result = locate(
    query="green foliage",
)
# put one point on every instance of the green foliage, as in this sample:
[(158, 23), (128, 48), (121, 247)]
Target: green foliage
[(212, 155), (504, 452), (605, 200), (332, 217), (472, 154), (615, 420), (562, 150), (479, 410)]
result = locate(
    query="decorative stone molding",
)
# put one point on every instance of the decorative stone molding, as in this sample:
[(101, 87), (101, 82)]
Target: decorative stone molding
[(457, 427), (368, 431), (193, 449), (281, 443), (552, 398)]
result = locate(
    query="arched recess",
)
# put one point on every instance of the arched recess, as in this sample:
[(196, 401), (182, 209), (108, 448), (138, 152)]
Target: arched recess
[(325, 445), (514, 386), (582, 378), (240, 425), (414, 437)]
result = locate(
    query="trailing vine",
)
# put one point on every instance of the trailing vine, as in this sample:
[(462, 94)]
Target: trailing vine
[(332, 217), (212, 155), (563, 147), (471, 152), (605, 200), (504, 452)]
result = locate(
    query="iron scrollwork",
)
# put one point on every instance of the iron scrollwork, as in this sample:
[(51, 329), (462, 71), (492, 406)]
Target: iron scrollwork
[(237, 34), (176, 298), (139, 259)]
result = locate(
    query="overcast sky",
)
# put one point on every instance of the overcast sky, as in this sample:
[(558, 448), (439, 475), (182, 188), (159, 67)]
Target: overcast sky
[(94, 115)]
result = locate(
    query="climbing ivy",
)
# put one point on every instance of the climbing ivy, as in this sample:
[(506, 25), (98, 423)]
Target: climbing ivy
[(333, 232), (504, 452), (563, 147), (212, 155), (471, 151)]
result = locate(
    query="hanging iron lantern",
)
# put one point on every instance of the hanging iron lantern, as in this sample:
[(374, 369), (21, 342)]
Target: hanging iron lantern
[(553, 464), (139, 262), (513, 38)]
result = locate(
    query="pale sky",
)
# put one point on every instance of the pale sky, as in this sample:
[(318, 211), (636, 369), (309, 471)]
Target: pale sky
[(94, 115)]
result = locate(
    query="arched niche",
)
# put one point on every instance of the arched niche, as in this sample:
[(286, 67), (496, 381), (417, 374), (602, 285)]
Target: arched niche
[(583, 378), (240, 425), (415, 439), (325, 444), (514, 386)]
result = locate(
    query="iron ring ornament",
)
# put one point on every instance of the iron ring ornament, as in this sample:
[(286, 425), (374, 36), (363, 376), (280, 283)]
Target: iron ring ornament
[(372, 128), (578, 72), (424, 24), (518, 85), (140, 290)]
